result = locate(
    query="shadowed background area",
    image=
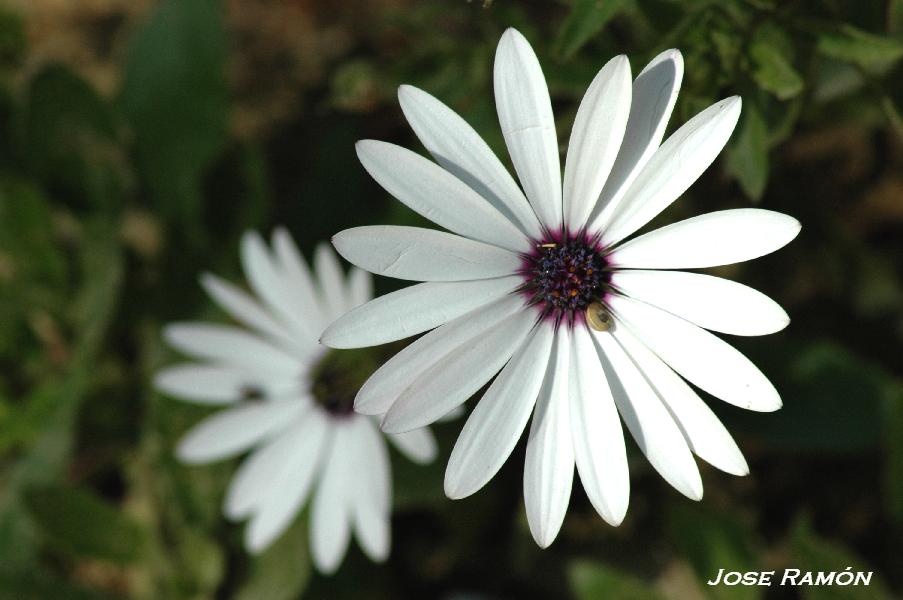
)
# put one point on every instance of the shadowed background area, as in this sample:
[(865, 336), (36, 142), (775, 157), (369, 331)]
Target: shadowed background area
[(140, 138)]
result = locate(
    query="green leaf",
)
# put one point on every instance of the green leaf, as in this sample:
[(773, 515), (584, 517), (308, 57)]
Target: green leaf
[(44, 462), (773, 71), (176, 96), (895, 16), (813, 553), (586, 19), (747, 156), (713, 541), (894, 440), (200, 561), (38, 585), (13, 40), (70, 137), (820, 377), (80, 524), (283, 570), (875, 53), (592, 580), (32, 257)]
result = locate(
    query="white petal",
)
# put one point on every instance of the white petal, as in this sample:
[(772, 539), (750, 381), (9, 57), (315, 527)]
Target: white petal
[(423, 254), (268, 283), (705, 434), (599, 449), (360, 288), (419, 445), (298, 280), (371, 528), (649, 422), (703, 359), (455, 413), (389, 381), (252, 483), (376, 472), (716, 238), (549, 465), (458, 376), (204, 384), (413, 310), (331, 281), (438, 195), (710, 302), (525, 114), (330, 518), (654, 94), (371, 517), (288, 488), (232, 431), (595, 139), (495, 425), (232, 346), (463, 153), (673, 168), (248, 311)]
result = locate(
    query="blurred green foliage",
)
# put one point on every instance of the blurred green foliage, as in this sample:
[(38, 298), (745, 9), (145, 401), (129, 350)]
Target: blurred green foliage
[(112, 202)]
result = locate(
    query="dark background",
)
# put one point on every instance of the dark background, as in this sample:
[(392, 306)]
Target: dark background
[(139, 139)]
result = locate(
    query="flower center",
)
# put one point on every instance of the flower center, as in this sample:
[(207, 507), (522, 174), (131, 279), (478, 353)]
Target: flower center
[(251, 393), (337, 378), (564, 277)]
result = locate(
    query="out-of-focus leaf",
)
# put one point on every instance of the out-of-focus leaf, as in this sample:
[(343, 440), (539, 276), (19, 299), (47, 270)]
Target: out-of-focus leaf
[(895, 16), (592, 580), (200, 561), (35, 585), (70, 136), (44, 462), (176, 97), (282, 571), (712, 541), (26, 238), (80, 524), (894, 439), (875, 53), (585, 19), (836, 80), (813, 553), (821, 377), (13, 42), (773, 71), (748, 155), (727, 46)]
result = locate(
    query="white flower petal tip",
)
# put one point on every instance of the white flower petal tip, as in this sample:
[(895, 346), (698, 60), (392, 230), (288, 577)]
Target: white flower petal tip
[(528, 125), (595, 140), (710, 302), (438, 195), (418, 445), (549, 464), (452, 379), (700, 357), (462, 152), (420, 254), (673, 168), (413, 310), (495, 425), (709, 240)]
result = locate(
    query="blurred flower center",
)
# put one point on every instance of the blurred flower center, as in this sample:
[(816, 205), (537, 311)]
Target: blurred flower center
[(566, 276), (336, 380), (251, 393)]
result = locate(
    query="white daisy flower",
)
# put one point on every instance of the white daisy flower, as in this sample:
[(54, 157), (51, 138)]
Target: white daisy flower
[(289, 401), (542, 285)]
